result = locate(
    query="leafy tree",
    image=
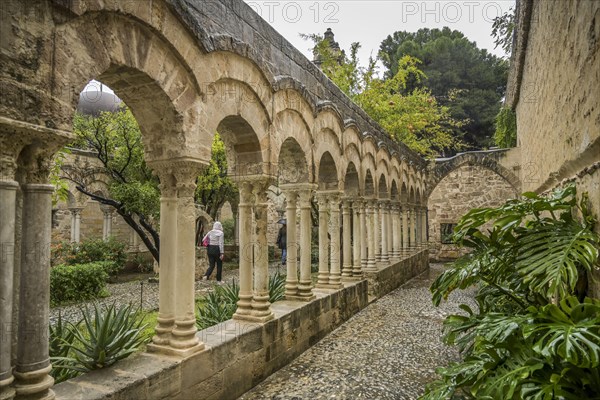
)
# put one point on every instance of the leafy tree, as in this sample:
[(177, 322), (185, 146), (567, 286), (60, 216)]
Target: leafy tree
[(132, 189), (413, 117), (503, 30), (214, 186), (535, 333), (468, 80)]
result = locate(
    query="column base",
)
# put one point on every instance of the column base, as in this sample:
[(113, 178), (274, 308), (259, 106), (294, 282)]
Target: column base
[(332, 286), (35, 385), (351, 278), (6, 391), (301, 298), (172, 351), (261, 319)]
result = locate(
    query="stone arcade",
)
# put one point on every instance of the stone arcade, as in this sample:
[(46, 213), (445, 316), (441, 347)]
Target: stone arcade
[(186, 70)]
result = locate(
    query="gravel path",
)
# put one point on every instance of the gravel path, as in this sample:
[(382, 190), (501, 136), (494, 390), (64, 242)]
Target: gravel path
[(390, 350), (130, 293)]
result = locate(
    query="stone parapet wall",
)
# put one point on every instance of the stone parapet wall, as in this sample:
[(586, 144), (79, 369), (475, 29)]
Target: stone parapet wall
[(239, 354)]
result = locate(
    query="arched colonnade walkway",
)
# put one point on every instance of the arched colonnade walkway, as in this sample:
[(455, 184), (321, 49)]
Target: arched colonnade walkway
[(182, 85)]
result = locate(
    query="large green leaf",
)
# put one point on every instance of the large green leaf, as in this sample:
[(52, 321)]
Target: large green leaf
[(548, 256)]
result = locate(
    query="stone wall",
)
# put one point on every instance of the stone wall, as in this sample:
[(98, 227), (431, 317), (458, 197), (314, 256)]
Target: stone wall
[(239, 354), (554, 87), (463, 189)]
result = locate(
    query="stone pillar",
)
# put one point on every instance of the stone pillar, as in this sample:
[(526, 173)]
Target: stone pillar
[(413, 226), (423, 226), (183, 336), (335, 272), (291, 283), (384, 217), (168, 260), (261, 308), (323, 278), (405, 229), (377, 230), (8, 201), (75, 224), (246, 256), (107, 212), (396, 233), (33, 361), (356, 239), (371, 261), (346, 240), (305, 285), (364, 242), (390, 220), (236, 225)]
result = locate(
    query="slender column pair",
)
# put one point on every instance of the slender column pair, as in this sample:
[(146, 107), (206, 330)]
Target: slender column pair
[(75, 224), (371, 226), (424, 226), (298, 195), (107, 222), (396, 232), (384, 219), (405, 230), (254, 302), (358, 239), (329, 240), (176, 328), (347, 270), (25, 264)]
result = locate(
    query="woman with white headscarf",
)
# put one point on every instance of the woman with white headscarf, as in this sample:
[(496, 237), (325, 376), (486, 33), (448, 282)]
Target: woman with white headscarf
[(215, 248)]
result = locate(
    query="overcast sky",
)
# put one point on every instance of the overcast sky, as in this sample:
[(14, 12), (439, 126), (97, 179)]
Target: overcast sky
[(369, 22)]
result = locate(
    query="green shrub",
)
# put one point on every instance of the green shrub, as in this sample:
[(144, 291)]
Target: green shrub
[(506, 128), (228, 230), (91, 250), (78, 282), (534, 334), (276, 287)]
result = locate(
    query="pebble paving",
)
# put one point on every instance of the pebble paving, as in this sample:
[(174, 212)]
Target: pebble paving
[(389, 350)]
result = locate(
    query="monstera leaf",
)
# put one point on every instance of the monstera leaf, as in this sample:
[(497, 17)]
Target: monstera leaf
[(548, 256)]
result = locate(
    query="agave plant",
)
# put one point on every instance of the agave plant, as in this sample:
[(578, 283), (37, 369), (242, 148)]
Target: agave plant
[(535, 334), (220, 304), (62, 337), (109, 336)]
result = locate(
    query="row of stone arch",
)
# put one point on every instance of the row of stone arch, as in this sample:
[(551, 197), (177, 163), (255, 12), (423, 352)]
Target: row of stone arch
[(182, 87)]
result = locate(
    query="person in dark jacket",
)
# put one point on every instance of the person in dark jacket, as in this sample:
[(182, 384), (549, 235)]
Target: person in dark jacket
[(215, 250), (282, 242)]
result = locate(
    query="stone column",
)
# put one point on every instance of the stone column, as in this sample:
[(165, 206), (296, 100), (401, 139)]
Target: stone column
[(413, 227), (377, 230), (8, 198), (323, 278), (33, 361), (261, 308), (76, 224), (246, 256), (346, 240), (371, 261), (107, 212), (236, 225), (405, 229), (183, 336), (168, 260), (396, 234), (384, 217), (364, 242), (291, 283), (424, 226), (357, 240), (305, 286), (390, 220), (334, 233)]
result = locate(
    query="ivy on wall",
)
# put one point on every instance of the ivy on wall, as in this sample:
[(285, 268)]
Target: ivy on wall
[(506, 128)]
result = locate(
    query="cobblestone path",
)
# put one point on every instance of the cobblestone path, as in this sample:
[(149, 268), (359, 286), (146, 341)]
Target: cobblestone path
[(390, 350)]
